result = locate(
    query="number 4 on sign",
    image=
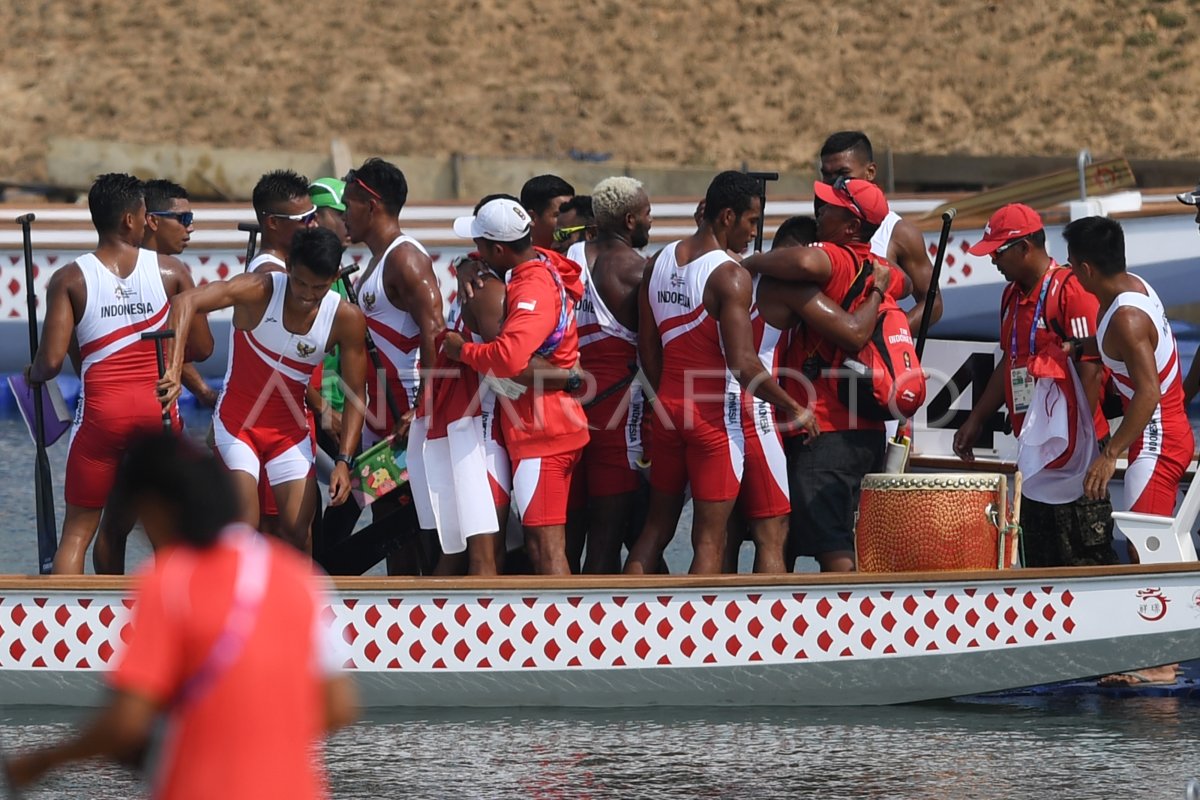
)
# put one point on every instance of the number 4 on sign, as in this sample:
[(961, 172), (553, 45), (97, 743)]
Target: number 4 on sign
[(973, 374)]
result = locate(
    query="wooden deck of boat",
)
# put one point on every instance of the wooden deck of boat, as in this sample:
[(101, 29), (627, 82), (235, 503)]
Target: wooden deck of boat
[(108, 583)]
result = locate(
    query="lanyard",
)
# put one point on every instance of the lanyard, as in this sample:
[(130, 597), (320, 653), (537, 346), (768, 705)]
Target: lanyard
[(1037, 314)]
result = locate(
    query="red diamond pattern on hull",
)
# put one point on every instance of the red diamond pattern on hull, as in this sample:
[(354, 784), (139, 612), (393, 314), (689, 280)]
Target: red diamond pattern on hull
[(598, 630)]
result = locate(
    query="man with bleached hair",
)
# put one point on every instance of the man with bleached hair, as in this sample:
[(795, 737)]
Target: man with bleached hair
[(607, 477)]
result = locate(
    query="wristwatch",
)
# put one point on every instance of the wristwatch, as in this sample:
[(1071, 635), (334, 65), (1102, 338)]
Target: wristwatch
[(573, 383), (347, 460)]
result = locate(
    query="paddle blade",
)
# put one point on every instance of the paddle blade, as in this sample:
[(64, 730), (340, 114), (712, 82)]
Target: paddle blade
[(47, 527), (56, 417)]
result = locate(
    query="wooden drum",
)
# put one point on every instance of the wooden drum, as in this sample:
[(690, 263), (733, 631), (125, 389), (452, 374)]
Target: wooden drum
[(933, 522)]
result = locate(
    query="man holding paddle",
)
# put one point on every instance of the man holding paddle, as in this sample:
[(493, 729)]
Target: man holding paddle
[(107, 300)]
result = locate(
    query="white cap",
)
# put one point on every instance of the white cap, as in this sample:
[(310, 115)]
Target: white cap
[(500, 220)]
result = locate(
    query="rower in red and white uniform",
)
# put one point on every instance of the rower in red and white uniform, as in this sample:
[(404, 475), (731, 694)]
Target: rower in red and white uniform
[(283, 325), (1136, 343), (398, 291), (696, 345), (607, 317), (106, 300)]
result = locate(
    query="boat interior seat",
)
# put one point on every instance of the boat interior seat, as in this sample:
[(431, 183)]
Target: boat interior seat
[(1163, 540)]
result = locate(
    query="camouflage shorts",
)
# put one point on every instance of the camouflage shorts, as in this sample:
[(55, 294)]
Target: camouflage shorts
[(1077, 534)]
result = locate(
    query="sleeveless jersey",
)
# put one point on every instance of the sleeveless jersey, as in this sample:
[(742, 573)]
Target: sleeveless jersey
[(606, 347), (265, 258), (883, 236), (118, 311), (693, 356), (578, 253), (1166, 356), (770, 343), (269, 366), (398, 339)]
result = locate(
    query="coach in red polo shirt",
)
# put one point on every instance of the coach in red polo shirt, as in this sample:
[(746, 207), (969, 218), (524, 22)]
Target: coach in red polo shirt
[(1042, 306)]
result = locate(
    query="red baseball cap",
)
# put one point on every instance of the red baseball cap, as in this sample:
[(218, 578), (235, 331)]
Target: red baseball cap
[(1011, 222), (862, 198)]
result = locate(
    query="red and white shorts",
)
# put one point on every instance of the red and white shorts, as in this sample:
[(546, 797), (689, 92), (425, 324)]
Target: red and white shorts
[(765, 482), (541, 487), (282, 455), (703, 445), (609, 465), (1157, 463)]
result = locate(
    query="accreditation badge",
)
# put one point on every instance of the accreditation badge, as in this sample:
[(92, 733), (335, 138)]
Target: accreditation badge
[(1022, 389)]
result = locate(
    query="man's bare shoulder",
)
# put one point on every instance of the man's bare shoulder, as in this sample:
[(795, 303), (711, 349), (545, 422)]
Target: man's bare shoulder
[(409, 259), (907, 245)]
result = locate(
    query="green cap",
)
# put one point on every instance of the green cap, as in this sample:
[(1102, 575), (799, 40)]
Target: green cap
[(327, 193)]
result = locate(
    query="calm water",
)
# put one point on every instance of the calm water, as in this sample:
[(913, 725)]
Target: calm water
[(1032, 748)]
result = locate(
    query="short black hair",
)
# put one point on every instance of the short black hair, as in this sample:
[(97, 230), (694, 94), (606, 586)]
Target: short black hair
[(802, 230), (385, 179), (842, 141), (160, 194), (498, 196), (277, 187), (1099, 241), (185, 477), (538, 191), (1038, 239), (319, 250), (733, 190), (581, 204), (112, 196)]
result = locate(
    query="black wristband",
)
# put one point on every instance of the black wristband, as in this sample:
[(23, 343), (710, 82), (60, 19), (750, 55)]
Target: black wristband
[(345, 459), (880, 292)]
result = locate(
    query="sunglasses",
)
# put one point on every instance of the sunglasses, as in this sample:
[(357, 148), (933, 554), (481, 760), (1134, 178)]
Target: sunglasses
[(305, 218), (184, 218), (999, 251), (562, 234), (842, 184)]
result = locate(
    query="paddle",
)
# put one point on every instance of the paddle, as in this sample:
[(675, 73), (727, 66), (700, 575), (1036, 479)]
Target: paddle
[(47, 528), (159, 337), (253, 229), (930, 298), (762, 178)]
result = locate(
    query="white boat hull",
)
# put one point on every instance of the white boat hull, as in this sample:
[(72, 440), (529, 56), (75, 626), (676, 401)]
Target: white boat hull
[(735, 640)]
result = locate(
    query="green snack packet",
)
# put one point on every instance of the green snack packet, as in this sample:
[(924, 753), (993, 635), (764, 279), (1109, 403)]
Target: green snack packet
[(379, 470)]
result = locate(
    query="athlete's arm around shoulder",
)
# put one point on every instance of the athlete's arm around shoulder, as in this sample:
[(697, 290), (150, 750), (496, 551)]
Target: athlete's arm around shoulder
[(807, 264), (66, 296), (411, 284), (727, 296), (177, 279), (649, 341), (913, 259), (247, 294)]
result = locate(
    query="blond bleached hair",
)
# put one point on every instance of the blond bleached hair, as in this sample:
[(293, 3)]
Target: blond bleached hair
[(615, 197)]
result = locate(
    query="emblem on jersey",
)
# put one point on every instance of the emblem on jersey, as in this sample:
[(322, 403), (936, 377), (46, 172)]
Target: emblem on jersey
[(305, 349), (369, 300), (677, 280), (122, 293)]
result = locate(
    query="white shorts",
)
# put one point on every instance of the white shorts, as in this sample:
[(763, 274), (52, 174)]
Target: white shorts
[(246, 453), (453, 478)]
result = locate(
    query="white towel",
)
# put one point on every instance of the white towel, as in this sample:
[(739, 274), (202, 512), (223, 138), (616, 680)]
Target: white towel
[(1045, 436)]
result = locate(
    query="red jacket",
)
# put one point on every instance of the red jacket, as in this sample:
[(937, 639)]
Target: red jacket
[(538, 423)]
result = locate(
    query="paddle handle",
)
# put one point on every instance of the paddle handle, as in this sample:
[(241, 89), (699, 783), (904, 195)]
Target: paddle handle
[(934, 279), (762, 178), (159, 337)]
